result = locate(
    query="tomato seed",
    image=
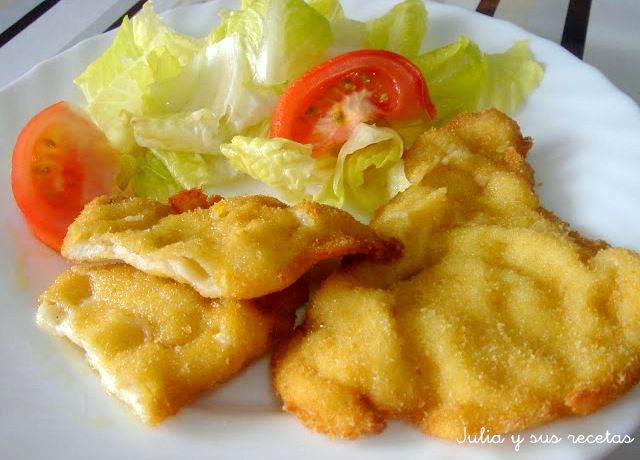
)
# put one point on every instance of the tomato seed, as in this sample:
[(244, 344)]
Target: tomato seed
[(40, 169), (348, 84), (49, 143)]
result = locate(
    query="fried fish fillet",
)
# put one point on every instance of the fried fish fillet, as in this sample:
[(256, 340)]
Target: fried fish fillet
[(158, 344), (498, 316), (241, 247)]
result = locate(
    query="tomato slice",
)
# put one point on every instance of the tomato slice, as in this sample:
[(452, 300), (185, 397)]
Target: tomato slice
[(325, 104), (61, 161)]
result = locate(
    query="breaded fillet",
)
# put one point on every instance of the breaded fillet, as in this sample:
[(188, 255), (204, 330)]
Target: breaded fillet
[(241, 247), (158, 344), (497, 316)]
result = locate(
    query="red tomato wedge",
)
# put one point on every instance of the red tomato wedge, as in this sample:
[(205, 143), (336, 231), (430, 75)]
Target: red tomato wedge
[(326, 103), (61, 161)]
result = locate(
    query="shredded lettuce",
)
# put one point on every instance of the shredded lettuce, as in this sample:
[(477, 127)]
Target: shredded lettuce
[(187, 112)]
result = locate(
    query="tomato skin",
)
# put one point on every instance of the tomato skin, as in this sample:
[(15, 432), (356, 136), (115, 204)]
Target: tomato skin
[(61, 160), (390, 85)]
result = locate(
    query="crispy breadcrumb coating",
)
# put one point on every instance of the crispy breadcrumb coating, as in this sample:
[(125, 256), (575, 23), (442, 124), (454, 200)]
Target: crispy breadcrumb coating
[(241, 247), (498, 316), (158, 344)]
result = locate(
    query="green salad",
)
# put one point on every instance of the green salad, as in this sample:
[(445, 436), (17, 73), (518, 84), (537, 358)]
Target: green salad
[(189, 112)]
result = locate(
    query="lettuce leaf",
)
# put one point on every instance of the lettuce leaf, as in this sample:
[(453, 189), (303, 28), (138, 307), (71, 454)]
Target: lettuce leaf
[(189, 112), (121, 54), (209, 101), (348, 34), (148, 176), (281, 38), (151, 32), (284, 165), (461, 78), (187, 131), (330, 9), (158, 173), (294, 39), (115, 85), (400, 30), (192, 170), (510, 77), (454, 76), (367, 172)]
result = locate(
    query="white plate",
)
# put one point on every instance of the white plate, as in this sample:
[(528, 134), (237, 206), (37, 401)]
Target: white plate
[(586, 155)]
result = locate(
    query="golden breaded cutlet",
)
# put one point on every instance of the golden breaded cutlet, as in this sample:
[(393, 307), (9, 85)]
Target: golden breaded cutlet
[(158, 344), (241, 247), (497, 316)]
